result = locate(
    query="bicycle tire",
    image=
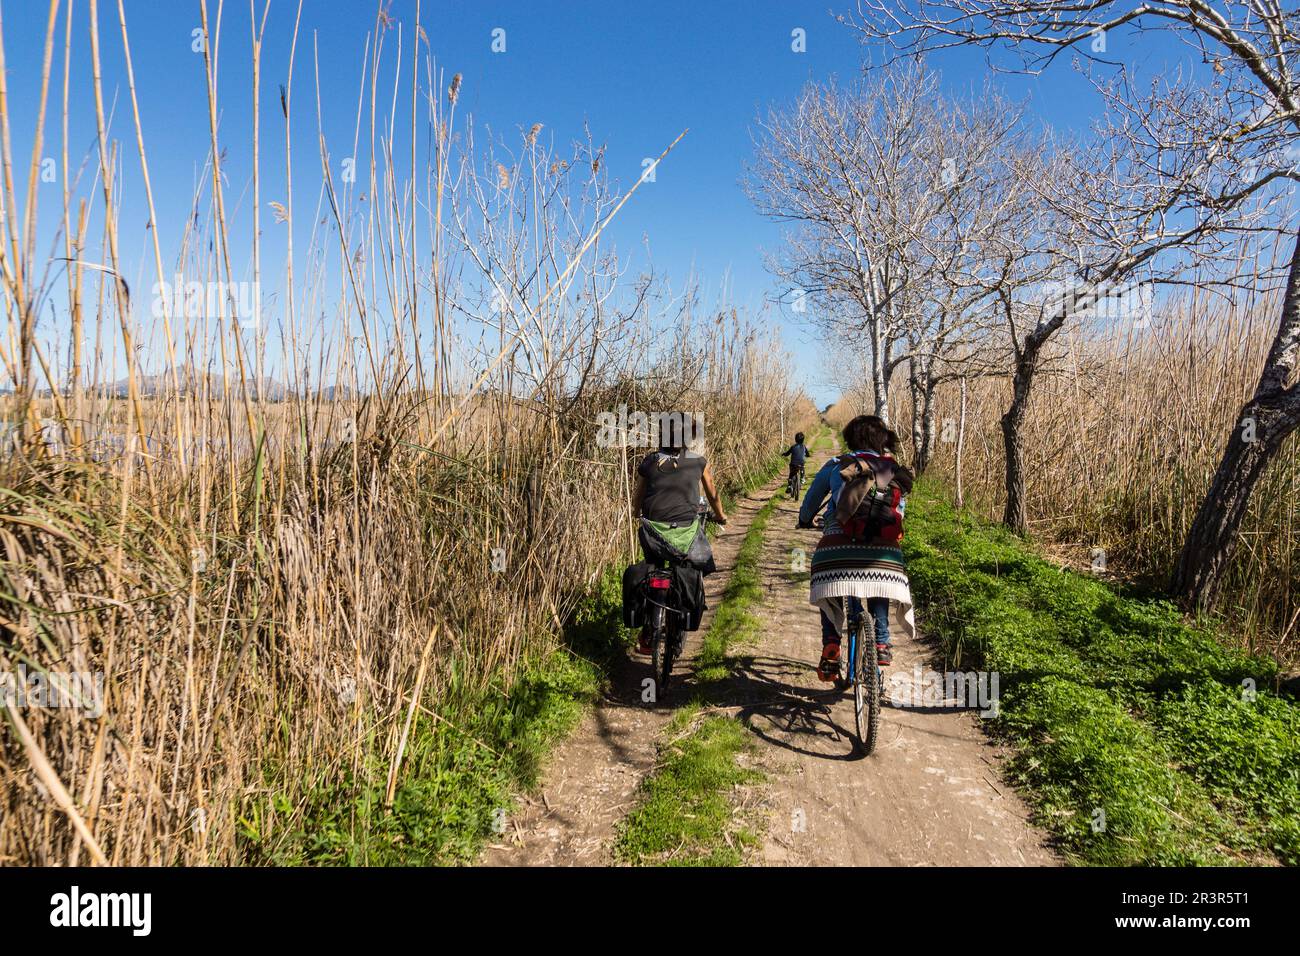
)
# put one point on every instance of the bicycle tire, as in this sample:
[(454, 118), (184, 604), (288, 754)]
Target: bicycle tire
[(661, 661), (866, 692)]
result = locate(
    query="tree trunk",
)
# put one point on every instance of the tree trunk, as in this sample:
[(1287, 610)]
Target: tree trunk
[(1013, 515), (922, 389), (1265, 421), (879, 380), (918, 437), (927, 426)]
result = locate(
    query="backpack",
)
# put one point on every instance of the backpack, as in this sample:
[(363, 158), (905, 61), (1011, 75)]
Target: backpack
[(865, 510)]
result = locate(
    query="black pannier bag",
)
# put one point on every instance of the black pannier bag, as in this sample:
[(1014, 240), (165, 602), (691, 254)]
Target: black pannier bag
[(689, 586), (687, 591), (633, 600)]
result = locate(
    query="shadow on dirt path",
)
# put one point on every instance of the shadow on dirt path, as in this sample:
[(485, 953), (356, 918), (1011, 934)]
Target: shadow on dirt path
[(930, 794), (591, 778)]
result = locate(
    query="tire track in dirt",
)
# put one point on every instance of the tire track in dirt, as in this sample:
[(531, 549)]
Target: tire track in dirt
[(931, 793), (591, 777)]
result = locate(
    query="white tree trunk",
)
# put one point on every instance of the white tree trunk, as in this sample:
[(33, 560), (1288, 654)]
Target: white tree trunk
[(879, 379)]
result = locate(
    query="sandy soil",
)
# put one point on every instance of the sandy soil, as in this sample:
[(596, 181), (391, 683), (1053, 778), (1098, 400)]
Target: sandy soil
[(931, 793)]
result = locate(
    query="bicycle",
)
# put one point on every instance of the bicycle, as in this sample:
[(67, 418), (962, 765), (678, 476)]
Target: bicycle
[(794, 484), (865, 678), (666, 620), (667, 634)]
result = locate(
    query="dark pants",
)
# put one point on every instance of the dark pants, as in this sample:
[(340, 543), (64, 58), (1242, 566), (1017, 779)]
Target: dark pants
[(879, 610)]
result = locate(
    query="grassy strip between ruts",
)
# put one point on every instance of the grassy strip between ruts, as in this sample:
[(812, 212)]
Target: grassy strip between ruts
[(687, 814), (734, 620), (1141, 739)]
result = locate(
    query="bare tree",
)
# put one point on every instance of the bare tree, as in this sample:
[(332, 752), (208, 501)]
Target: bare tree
[(845, 168), (1183, 164), (976, 181), (895, 193)]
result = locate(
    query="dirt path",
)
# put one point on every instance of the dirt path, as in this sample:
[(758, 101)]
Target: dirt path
[(931, 794), (591, 778)]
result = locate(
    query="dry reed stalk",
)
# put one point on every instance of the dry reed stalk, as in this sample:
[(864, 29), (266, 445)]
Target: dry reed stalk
[(1123, 438), (277, 565)]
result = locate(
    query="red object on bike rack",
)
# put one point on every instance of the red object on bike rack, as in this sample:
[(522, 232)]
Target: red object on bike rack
[(660, 583)]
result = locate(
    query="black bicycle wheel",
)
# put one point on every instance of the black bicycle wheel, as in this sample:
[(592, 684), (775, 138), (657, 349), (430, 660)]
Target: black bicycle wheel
[(662, 660), (866, 692)]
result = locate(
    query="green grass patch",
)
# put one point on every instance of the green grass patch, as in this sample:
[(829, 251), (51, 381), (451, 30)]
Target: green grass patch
[(459, 775), (1142, 738), (686, 815), (735, 622)]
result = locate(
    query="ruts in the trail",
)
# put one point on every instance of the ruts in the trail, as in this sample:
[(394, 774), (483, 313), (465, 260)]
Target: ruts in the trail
[(591, 777), (931, 793)]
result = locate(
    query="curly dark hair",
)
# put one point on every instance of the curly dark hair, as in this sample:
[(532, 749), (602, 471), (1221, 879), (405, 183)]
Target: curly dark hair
[(870, 433)]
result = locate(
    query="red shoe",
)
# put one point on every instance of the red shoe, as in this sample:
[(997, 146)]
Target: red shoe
[(884, 655), (828, 668), (643, 644)]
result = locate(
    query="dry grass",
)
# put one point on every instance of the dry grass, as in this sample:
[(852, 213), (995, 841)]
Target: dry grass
[(275, 591), (1124, 435)]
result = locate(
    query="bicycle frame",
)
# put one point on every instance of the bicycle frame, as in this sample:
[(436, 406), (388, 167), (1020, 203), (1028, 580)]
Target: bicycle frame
[(853, 625)]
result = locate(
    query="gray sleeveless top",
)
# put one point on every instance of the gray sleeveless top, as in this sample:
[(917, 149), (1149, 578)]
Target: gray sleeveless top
[(672, 485)]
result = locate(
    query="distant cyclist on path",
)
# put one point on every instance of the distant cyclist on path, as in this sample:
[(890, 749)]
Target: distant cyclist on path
[(798, 454)]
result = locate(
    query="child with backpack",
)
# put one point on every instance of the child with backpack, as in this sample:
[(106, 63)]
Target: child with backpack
[(858, 558)]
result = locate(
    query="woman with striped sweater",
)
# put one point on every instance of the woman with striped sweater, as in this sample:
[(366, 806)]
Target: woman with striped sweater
[(862, 563)]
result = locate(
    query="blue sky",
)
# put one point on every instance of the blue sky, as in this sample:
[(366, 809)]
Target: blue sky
[(637, 73)]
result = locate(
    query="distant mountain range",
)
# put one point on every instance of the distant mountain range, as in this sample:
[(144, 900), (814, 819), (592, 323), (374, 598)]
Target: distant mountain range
[(194, 382)]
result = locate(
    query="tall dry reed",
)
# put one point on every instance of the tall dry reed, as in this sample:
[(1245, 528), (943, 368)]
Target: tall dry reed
[(1126, 429), (278, 577)]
